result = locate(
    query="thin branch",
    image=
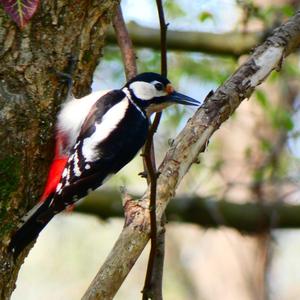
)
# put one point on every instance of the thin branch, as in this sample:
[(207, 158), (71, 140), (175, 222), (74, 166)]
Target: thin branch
[(163, 38), (153, 281), (228, 43), (184, 151), (249, 217), (125, 44), (149, 161), (156, 291)]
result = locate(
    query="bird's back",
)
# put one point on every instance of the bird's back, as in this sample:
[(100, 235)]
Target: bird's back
[(107, 142)]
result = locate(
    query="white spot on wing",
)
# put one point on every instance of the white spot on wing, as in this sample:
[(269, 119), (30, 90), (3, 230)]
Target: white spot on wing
[(77, 171), (68, 175), (58, 188), (109, 122), (65, 173), (87, 166), (71, 158)]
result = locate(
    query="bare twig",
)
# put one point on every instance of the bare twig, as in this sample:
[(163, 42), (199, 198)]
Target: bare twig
[(125, 44), (152, 177), (149, 163), (158, 266), (153, 281), (163, 38)]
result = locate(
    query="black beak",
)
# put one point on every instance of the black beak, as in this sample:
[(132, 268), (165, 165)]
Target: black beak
[(176, 97)]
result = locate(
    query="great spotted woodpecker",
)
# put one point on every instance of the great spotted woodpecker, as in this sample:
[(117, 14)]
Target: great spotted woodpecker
[(96, 136)]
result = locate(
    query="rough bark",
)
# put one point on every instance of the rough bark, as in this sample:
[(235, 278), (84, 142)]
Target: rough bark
[(185, 150), (30, 93)]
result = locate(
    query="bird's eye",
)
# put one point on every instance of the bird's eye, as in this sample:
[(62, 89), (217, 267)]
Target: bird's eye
[(159, 86)]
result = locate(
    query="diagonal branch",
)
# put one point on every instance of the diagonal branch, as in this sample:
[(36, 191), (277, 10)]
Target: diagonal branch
[(192, 140)]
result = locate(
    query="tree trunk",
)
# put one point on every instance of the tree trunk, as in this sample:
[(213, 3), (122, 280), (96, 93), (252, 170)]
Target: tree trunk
[(30, 93)]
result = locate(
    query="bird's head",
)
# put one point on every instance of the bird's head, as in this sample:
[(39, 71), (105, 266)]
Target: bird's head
[(154, 92)]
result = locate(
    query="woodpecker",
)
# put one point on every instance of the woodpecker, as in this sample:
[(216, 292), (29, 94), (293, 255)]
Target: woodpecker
[(96, 136)]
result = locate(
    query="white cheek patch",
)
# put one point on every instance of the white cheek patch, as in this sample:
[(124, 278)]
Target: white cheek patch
[(145, 91)]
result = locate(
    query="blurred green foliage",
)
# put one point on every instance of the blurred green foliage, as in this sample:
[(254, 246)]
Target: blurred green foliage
[(271, 16), (173, 9), (205, 15)]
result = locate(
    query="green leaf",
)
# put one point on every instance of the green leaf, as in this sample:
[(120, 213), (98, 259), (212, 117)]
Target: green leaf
[(173, 9), (262, 98), (288, 10), (205, 15), (266, 145), (282, 119)]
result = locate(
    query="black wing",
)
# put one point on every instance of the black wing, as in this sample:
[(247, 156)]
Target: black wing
[(112, 134)]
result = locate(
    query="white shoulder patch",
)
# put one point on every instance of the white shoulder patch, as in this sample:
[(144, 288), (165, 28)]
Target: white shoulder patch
[(109, 122), (73, 114)]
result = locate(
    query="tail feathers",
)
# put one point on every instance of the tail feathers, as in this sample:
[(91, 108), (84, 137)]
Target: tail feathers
[(34, 222)]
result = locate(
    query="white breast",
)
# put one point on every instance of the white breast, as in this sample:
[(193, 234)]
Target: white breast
[(73, 113)]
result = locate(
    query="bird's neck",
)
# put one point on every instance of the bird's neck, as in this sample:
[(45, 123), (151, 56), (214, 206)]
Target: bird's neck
[(138, 103)]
